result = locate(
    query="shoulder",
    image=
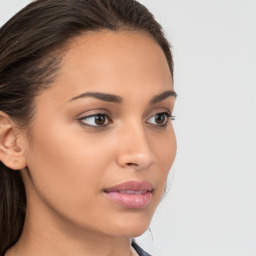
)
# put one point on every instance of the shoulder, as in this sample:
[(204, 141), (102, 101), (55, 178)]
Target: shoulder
[(139, 250)]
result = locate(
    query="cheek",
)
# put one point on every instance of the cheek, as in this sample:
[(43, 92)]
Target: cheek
[(67, 167), (166, 152)]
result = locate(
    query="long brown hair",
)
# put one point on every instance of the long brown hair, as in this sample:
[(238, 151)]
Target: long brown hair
[(30, 54)]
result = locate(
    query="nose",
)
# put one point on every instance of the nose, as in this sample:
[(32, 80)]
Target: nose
[(135, 150)]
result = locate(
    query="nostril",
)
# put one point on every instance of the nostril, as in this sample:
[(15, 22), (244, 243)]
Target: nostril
[(131, 164)]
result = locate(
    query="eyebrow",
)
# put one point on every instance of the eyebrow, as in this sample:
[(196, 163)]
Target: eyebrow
[(117, 99), (163, 96), (101, 96)]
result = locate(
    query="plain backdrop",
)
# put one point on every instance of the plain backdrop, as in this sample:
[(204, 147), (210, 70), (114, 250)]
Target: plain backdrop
[(210, 209)]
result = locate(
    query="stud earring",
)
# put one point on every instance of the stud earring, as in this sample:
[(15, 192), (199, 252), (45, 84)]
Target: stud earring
[(16, 162)]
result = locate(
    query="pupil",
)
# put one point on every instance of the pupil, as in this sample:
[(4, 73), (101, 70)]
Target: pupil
[(160, 119), (100, 119)]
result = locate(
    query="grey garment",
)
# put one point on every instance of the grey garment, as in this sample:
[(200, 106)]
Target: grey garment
[(139, 250)]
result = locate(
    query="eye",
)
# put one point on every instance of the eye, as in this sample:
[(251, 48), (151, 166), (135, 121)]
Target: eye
[(160, 119), (96, 120)]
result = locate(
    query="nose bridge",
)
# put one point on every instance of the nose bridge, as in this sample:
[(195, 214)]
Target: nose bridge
[(135, 148)]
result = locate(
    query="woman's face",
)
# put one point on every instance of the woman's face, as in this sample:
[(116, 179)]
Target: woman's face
[(104, 122)]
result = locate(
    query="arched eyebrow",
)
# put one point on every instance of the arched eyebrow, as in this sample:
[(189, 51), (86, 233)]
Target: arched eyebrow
[(117, 99), (101, 96), (163, 96)]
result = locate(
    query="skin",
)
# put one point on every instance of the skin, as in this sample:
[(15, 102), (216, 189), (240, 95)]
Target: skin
[(72, 161)]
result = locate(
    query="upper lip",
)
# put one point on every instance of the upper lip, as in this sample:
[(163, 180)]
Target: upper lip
[(131, 186)]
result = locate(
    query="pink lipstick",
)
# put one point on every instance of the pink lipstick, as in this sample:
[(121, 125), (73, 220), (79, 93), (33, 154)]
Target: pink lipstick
[(131, 194)]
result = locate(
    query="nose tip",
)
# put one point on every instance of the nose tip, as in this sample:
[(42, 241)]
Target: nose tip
[(135, 152), (136, 160)]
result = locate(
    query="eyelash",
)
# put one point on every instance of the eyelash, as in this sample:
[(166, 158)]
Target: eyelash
[(168, 117), (107, 117)]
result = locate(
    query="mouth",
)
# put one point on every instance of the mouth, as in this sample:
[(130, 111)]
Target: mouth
[(132, 194)]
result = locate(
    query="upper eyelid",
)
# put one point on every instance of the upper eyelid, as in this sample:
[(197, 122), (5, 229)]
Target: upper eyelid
[(93, 112), (109, 114), (92, 115), (169, 114), (158, 111)]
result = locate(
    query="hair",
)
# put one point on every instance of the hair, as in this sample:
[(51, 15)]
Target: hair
[(32, 45)]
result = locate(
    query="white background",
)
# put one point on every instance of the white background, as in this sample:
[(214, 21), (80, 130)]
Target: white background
[(210, 209)]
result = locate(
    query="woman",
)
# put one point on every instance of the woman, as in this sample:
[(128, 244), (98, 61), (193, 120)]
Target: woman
[(86, 140)]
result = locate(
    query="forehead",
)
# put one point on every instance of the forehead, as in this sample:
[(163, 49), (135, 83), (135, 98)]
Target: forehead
[(120, 62)]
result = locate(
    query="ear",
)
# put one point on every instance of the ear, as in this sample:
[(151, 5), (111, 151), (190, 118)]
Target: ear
[(12, 146)]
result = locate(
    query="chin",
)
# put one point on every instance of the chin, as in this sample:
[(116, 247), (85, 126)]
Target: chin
[(130, 231), (132, 226)]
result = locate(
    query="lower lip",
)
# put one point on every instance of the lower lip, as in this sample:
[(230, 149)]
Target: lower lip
[(135, 201)]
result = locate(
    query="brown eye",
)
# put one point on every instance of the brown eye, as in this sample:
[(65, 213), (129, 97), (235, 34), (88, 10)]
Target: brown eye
[(159, 119), (100, 119), (96, 120)]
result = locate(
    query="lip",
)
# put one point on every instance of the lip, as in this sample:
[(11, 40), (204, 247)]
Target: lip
[(131, 194)]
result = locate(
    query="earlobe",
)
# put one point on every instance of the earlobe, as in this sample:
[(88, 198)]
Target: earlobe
[(11, 153)]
